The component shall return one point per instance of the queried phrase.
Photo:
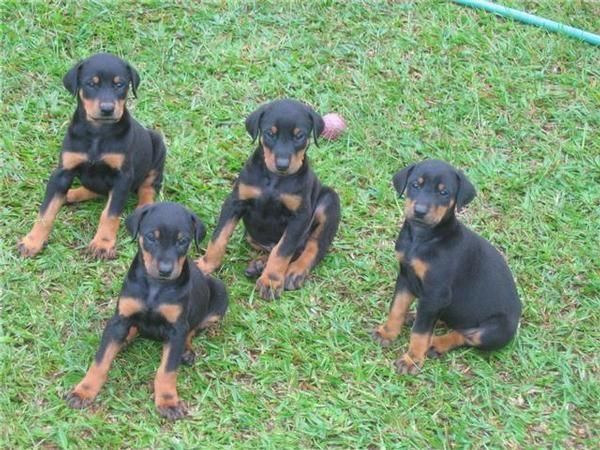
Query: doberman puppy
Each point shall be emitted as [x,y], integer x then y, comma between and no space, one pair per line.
[458,276]
[164,297]
[285,209]
[106,148]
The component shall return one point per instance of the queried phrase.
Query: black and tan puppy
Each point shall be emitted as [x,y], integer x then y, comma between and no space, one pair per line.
[106,148]
[285,209]
[458,276]
[164,297]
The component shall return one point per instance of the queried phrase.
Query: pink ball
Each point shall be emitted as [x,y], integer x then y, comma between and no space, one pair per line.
[334,126]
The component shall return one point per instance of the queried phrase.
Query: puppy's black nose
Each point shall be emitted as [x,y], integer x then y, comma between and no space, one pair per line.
[165,268]
[107,108]
[420,210]
[282,164]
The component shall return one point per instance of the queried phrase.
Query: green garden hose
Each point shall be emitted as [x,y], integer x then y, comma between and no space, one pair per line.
[532,20]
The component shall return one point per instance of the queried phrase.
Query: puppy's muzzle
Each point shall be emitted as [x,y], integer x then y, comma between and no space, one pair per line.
[282,164]
[107,109]
[165,268]
[420,210]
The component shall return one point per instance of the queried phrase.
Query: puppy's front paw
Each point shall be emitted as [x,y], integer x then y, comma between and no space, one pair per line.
[188,358]
[103,248]
[205,266]
[294,278]
[78,400]
[410,319]
[382,336]
[433,352]
[172,412]
[30,246]
[255,268]
[406,364]
[269,286]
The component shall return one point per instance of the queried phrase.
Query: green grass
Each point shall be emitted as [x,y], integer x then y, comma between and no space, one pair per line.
[515,107]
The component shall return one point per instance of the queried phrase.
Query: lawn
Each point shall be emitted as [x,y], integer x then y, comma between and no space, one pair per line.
[517,108]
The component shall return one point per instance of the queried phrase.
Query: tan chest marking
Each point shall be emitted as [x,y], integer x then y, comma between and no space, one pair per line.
[128,306]
[248,192]
[291,201]
[170,312]
[70,160]
[113,160]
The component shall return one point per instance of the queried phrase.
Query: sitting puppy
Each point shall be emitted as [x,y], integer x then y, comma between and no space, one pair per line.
[164,297]
[106,149]
[285,209]
[458,276]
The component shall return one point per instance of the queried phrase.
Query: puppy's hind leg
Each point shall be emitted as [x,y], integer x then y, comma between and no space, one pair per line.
[216,311]
[218,303]
[493,334]
[326,222]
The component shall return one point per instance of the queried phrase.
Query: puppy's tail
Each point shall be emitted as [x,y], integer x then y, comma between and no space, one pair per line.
[159,153]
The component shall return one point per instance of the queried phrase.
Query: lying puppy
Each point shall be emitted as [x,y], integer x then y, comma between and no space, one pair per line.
[285,209]
[106,149]
[458,276]
[165,297]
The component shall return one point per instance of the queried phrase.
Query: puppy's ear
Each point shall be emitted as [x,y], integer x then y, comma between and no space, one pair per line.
[135,79]
[71,79]
[134,220]
[318,124]
[253,122]
[401,178]
[199,229]
[466,191]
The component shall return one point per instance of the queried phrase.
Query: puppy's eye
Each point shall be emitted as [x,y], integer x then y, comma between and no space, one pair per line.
[444,192]
[299,136]
[120,85]
[182,242]
[150,237]
[415,185]
[268,133]
[92,84]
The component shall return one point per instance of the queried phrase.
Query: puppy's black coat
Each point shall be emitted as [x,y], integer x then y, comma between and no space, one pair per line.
[285,209]
[164,297]
[458,276]
[106,148]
